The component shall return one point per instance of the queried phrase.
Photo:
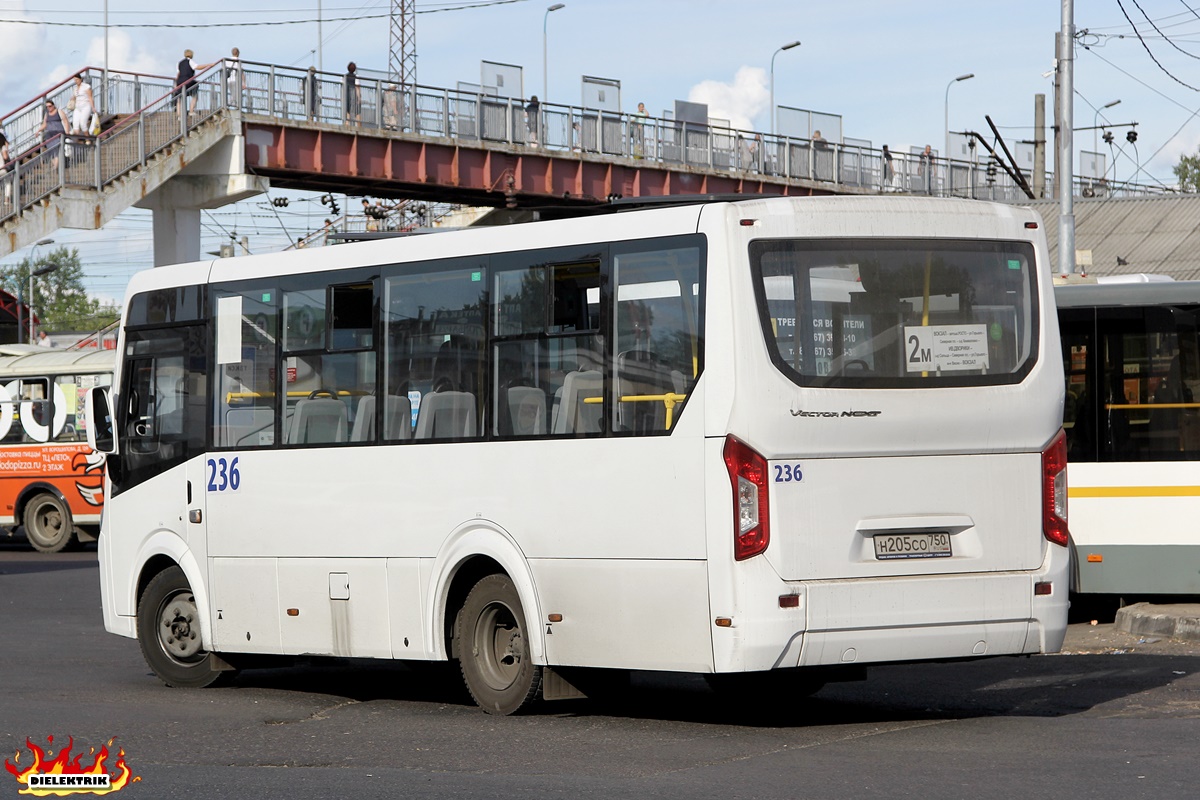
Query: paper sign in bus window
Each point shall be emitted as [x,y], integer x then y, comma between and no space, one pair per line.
[946,348]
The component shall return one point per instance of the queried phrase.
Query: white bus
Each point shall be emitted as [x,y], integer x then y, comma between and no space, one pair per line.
[789,437]
[1131,353]
[51,481]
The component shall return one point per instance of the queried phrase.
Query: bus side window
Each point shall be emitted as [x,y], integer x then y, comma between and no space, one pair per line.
[37,410]
[433,342]
[244,402]
[659,345]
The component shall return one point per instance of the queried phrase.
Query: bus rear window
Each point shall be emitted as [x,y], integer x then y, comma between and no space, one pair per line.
[897,313]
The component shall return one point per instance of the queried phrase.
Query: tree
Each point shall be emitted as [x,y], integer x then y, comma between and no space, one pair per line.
[1188,173]
[59,300]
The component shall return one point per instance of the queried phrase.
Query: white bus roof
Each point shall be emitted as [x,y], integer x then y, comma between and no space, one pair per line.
[1156,293]
[32,360]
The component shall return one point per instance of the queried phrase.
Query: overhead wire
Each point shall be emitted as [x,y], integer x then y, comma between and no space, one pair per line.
[195,25]
[1150,52]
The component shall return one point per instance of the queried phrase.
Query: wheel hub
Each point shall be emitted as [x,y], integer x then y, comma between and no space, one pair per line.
[179,631]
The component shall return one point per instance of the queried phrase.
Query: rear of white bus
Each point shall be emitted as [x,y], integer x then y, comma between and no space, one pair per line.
[886,468]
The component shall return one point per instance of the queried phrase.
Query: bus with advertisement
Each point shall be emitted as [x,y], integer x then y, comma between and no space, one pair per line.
[51,481]
[1131,354]
[772,440]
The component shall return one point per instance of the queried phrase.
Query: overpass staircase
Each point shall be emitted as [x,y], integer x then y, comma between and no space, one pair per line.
[147,142]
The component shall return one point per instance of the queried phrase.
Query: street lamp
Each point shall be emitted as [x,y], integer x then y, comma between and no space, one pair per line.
[34,273]
[545,73]
[968,76]
[1096,123]
[787,46]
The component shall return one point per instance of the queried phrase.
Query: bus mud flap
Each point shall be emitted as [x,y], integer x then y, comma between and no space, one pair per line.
[556,687]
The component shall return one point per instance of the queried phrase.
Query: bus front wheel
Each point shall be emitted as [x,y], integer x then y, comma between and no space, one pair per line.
[493,648]
[48,525]
[168,627]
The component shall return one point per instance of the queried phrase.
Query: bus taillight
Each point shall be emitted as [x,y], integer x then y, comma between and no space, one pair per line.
[1054,490]
[751,509]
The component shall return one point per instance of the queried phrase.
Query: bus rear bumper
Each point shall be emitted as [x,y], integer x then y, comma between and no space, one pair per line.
[872,621]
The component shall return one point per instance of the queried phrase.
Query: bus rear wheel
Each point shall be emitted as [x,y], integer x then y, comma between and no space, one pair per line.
[48,525]
[493,648]
[168,628]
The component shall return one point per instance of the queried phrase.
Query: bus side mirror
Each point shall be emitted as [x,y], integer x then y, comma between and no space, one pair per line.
[100,433]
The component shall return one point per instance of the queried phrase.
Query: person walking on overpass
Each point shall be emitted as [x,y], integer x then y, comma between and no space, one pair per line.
[81,117]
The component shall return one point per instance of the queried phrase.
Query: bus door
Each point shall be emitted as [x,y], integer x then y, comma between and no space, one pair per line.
[162,419]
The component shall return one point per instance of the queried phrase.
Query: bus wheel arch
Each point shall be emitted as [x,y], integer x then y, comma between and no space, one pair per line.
[164,550]
[169,632]
[469,555]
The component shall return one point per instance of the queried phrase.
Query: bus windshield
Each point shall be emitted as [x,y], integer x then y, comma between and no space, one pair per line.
[897,313]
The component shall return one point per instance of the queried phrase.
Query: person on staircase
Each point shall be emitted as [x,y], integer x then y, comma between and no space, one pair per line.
[85,107]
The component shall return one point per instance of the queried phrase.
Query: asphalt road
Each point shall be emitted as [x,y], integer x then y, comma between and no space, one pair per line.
[1113,717]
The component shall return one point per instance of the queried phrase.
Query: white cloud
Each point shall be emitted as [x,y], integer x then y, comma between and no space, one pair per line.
[739,101]
[23,45]
[121,56]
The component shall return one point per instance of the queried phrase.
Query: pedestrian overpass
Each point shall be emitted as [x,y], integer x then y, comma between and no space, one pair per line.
[257,126]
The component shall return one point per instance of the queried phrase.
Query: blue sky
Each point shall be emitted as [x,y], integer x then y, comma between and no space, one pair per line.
[882,65]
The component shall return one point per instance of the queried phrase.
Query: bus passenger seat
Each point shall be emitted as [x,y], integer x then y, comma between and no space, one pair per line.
[249,427]
[397,418]
[397,421]
[574,415]
[318,420]
[527,410]
[446,415]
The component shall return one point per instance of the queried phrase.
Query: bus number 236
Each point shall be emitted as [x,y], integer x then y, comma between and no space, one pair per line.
[788,473]
[223,475]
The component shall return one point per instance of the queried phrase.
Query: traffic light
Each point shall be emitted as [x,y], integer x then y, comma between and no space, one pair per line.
[328,200]
[279,202]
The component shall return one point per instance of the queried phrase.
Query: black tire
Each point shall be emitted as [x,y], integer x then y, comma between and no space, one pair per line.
[168,629]
[48,525]
[493,648]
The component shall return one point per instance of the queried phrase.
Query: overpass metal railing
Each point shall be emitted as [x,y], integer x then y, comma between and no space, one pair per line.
[146,114]
[287,93]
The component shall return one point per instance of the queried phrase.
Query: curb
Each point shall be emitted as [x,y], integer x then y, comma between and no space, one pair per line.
[1171,621]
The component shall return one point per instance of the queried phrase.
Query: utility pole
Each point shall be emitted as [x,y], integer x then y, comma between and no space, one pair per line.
[1039,146]
[1064,159]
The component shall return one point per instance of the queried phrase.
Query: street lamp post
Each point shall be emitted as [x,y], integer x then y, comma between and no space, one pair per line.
[968,76]
[545,71]
[787,46]
[21,301]
[1096,123]
[34,273]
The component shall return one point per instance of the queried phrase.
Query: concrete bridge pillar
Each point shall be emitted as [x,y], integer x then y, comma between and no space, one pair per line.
[176,235]
[216,178]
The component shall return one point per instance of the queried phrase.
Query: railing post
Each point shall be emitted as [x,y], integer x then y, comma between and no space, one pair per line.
[96,156]
[16,194]
[271,92]
[142,139]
